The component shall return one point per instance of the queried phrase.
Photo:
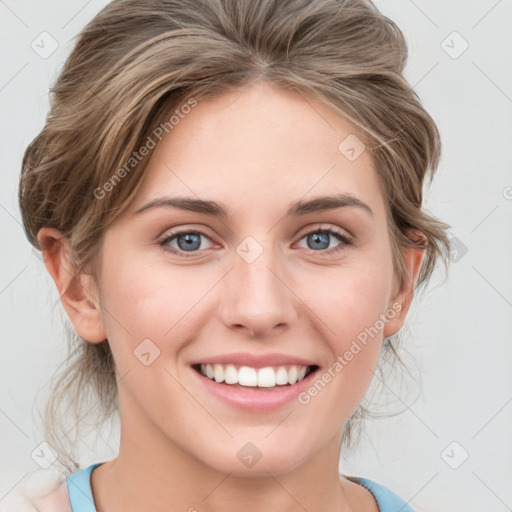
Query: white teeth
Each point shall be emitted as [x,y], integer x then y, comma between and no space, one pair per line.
[267,377]
[247,376]
[231,375]
[281,376]
[218,373]
[292,375]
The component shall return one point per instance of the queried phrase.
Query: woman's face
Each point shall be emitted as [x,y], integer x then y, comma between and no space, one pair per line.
[261,286]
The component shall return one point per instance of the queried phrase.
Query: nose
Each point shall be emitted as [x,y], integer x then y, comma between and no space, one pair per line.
[256,297]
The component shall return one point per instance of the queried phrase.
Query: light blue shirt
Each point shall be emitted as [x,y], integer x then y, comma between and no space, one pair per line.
[80,494]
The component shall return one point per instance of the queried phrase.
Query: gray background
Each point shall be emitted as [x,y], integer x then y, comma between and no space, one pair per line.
[460,332]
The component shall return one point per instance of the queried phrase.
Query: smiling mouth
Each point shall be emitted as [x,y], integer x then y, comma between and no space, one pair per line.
[246,377]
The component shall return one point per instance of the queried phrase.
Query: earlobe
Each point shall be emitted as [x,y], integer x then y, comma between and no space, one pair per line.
[400,303]
[77,292]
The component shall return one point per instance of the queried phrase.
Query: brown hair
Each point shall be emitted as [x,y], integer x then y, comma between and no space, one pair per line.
[138,61]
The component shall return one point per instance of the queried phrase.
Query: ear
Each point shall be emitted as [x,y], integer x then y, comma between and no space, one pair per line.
[402,298]
[78,293]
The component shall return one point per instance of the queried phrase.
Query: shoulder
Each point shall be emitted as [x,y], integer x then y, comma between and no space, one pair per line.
[386,499]
[57,500]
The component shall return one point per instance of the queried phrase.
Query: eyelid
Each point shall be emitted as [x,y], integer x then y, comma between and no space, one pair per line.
[172,235]
[322,226]
[344,237]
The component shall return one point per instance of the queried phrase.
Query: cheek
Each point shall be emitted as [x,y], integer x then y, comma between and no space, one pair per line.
[155,302]
[352,305]
[350,299]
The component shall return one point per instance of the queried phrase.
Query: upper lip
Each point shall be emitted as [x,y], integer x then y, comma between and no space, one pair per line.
[255,360]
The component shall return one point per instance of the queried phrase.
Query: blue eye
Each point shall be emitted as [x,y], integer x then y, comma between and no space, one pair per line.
[189,242]
[320,239]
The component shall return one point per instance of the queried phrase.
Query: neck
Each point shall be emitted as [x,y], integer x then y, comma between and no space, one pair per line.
[152,472]
[141,481]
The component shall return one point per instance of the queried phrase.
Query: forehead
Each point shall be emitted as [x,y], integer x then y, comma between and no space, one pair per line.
[260,147]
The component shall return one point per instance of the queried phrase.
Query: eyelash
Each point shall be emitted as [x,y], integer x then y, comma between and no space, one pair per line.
[341,236]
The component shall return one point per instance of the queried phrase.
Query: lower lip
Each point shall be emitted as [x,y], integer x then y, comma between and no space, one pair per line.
[262,399]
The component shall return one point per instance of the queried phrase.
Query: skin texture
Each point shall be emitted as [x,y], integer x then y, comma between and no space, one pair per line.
[257,150]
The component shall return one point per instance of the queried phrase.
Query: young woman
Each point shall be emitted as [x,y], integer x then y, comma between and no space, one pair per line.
[228,196]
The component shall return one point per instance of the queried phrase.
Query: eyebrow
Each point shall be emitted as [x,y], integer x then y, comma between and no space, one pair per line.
[219,210]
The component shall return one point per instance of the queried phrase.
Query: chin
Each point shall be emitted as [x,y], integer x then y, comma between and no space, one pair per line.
[255,460]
